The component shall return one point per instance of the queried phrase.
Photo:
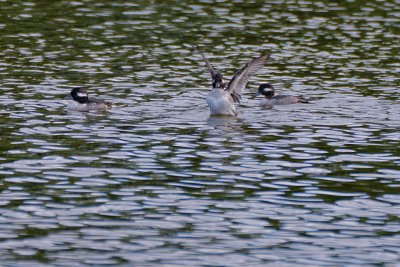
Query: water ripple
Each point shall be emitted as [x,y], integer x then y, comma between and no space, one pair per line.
[156,180]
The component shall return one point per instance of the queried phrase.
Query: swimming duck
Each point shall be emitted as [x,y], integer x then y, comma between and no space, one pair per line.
[270,99]
[79,100]
[221,100]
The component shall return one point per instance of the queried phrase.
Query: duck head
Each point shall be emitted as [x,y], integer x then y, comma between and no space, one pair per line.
[266,90]
[80,95]
[218,81]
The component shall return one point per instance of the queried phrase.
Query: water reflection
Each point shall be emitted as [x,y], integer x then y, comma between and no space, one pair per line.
[156,179]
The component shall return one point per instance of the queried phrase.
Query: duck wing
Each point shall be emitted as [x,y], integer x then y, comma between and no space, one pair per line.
[99,101]
[242,76]
[210,68]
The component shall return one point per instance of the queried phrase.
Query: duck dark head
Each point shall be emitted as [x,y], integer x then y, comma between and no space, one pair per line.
[218,81]
[79,94]
[266,90]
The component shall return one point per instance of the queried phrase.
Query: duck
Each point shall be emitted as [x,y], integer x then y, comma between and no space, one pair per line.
[271,99]
[222,98]
[79,100]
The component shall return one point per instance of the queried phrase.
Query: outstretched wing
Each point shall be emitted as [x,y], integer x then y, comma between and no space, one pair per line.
[210,68]
[242,76]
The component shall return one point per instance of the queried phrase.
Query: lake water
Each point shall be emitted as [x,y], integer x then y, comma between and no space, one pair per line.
[156,180]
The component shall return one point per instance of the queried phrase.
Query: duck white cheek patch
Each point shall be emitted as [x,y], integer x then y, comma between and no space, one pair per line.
[81,95]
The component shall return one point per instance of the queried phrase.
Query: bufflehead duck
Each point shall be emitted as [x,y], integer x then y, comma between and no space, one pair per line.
[80,101]
[270,99]
[222,100]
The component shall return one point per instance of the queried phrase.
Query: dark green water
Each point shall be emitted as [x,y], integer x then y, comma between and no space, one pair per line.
[156,181]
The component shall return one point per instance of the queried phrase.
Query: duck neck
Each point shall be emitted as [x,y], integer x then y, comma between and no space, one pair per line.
[81,99]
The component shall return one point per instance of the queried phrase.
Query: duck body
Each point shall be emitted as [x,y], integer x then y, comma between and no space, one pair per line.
[80,101]
[271,99]
[92,104]
[221,100]
[283,100]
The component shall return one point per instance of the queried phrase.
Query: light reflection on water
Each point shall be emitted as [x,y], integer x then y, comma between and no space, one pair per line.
[158,181]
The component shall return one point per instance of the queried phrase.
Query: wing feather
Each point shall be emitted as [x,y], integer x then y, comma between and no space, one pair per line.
[242,76]
[210,68]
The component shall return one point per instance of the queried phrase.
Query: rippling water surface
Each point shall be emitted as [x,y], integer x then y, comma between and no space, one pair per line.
[158,181]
